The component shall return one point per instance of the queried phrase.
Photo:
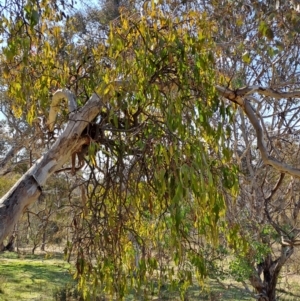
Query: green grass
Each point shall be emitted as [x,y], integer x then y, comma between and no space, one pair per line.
[218,292]
[32,277]
[37,278]
[213,292]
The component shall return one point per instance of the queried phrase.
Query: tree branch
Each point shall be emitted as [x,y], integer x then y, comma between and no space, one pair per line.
[29,187]
[260,90]
[54,108]
[5,162]
[239,97]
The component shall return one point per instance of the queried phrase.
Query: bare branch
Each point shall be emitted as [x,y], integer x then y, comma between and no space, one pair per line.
[230,94]
[276,186]
[238,97]
[5,162]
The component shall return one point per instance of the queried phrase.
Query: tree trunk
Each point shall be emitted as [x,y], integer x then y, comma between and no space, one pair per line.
[269,270]
[35,245]
[43,240]
[30,186]
[11,244]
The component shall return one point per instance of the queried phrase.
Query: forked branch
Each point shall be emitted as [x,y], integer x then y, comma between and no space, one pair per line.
[239,97]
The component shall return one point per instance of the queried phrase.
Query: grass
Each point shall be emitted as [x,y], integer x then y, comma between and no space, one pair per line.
[32,277]
[214,292]
[37,278]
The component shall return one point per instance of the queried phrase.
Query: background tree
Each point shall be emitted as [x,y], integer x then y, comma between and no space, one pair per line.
[262,55]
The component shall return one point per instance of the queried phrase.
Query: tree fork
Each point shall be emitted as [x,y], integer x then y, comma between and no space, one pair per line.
[239,97]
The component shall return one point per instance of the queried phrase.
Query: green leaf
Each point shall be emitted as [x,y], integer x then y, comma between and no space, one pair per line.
[246,57]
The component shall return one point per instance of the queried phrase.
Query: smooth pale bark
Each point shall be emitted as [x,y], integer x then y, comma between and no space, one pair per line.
[30,185]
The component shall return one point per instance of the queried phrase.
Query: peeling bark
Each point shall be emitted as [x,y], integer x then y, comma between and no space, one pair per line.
[30,185]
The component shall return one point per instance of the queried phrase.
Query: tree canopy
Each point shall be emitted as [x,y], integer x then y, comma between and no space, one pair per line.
[186,115]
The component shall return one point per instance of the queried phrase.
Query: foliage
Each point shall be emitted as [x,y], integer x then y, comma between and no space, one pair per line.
[67,293]
[24,29]
[157,191]
[240,269]
[177,168]
[159,186]
[6,183]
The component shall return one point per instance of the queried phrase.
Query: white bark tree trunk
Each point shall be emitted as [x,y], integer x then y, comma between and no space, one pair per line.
[30,185]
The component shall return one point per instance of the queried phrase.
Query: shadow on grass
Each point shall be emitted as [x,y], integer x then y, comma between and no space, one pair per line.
[32,275]
[217,292]
[213,292]
[14,255]
[288,295]
[47,273]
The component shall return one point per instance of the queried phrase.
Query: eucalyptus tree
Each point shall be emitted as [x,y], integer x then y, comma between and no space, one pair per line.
[258,58]
[141,99]
[153,102]
[266,212]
